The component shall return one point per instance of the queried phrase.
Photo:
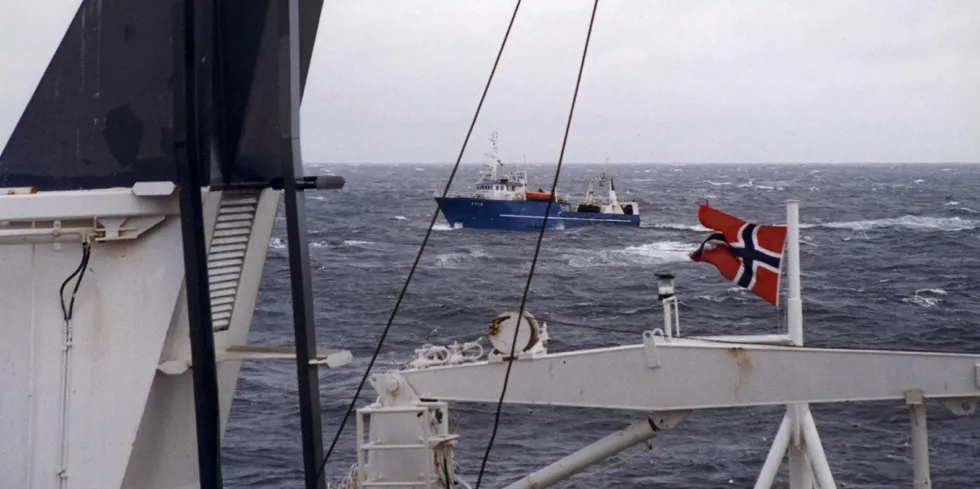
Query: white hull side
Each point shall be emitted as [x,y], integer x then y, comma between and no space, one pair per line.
[129,424]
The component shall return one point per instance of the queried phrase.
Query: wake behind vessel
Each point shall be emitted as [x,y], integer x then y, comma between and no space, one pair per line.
[503,201]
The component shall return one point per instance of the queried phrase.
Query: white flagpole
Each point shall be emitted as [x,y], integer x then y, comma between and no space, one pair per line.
[800,472]
[794,303]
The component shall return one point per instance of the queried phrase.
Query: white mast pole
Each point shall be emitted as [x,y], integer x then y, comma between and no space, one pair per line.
[794,304]
[800,473]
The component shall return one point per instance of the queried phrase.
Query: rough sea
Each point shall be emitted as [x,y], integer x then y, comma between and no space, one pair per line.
[890,258]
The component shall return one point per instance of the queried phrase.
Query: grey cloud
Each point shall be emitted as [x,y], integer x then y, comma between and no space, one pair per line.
[665,81]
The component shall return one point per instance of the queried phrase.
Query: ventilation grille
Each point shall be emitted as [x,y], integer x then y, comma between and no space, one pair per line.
[226,256]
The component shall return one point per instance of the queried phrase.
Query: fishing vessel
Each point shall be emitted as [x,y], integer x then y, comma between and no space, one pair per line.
[505,201]
[135,218]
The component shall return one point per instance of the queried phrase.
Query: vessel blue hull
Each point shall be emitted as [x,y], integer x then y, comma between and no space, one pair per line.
[521,215]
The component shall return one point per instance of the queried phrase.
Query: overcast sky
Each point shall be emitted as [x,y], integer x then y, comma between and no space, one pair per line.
[665,81]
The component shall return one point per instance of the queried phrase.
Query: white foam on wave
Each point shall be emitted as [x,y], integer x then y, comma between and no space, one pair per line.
[925,298]
[460,259]
[657,253]
[758,187]
[755,186]
[906,222]
[278,243]
[350,243]
[903,222]
[678,227]
[400,218]
[444,226]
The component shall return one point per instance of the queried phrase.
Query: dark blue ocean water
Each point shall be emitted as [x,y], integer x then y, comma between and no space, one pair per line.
[890,260]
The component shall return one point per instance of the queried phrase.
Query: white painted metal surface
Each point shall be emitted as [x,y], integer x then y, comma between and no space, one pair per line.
[227,252]
[920,440]
[114,421]
[703,374]
[637,432]
[672,317]
[83,204]
[164,454]
[774,459]
[325,357]
[121,317]
[814,450]
[800,474]
[408,446]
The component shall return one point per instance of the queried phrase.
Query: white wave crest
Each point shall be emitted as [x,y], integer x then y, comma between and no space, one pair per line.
[679,227]
[460,259]
[925,298]
[350,243]
[444,226]
[278,243]
[638,255]
[906,222]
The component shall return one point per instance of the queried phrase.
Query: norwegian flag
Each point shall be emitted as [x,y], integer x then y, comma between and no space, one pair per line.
[745,253]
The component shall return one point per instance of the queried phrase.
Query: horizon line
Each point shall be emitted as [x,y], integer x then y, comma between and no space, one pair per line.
[473,163]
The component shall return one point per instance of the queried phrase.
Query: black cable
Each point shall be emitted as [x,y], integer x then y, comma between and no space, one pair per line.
[425,240]
[537,250]
[67,312]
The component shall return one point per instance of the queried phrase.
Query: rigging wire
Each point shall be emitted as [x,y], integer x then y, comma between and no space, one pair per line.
[425,240]
[537,249]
